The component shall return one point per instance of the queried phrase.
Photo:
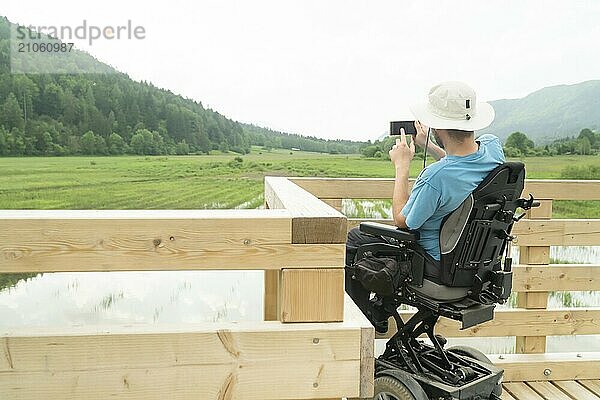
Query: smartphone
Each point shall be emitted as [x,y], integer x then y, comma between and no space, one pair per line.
[409,128]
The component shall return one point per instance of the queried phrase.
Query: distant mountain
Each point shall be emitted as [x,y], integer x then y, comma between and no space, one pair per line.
[549,113]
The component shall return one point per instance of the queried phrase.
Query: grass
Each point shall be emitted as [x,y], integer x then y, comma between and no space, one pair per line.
[206,182]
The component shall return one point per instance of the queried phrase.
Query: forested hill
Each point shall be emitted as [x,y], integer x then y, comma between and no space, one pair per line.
[62,114]
[550,113]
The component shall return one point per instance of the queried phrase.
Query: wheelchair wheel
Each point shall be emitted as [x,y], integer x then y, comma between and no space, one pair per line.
[477,355]
[389,388]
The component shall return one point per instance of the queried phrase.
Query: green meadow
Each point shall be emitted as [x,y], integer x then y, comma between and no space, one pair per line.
[208,181]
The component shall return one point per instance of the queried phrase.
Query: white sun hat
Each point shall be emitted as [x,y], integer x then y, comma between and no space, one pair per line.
[453,105]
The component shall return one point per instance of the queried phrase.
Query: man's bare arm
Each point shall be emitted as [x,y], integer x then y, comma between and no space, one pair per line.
[400,196]
[401,154]
[436,151]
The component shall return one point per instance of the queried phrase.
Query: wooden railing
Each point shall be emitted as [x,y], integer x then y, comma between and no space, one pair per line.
[534,277]
[312,345]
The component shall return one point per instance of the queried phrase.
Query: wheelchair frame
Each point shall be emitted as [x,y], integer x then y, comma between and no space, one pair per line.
[440,372]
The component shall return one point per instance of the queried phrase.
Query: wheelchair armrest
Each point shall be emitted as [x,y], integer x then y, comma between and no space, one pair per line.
[375,228]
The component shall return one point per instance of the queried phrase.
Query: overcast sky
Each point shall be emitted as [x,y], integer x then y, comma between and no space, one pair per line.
[336,68]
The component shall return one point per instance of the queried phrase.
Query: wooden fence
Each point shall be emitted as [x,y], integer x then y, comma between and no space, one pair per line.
[534,277]
[313,344]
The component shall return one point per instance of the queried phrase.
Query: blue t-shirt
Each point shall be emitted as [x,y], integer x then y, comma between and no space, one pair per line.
[442,186]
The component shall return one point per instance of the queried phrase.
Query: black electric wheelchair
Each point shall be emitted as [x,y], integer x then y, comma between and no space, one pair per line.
[464,285]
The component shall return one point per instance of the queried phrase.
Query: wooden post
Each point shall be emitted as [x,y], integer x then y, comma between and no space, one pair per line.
[271,299]
[534,255]
[271,289]
[306,295]
[310,295]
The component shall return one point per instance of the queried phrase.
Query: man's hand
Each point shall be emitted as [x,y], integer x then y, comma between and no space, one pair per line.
[401,153]
[421,136]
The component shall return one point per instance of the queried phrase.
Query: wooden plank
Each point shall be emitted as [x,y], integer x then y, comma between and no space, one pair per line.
[534,255]
[349,188]
[238,257]
[543,211]
[593,385]
[547,390]
[367,357]
[98,240]
[555,232]
[141,230]
[309,295]
[539,255]
[506,395]
[558,366]
[381,188]
[236,362]
[313,221]
[513,322]
[575,391]
[556,277]
[530,344]
[521,391]
[367,363]
[558,189]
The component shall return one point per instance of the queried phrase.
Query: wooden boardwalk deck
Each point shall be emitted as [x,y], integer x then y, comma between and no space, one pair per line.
[552,390]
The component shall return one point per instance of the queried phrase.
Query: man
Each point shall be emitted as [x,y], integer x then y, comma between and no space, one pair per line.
[452,114]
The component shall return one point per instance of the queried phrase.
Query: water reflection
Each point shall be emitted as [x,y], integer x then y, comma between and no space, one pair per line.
[98,298]
[10,280]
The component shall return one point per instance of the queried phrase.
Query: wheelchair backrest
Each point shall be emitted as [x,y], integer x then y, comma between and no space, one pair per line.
[473,237]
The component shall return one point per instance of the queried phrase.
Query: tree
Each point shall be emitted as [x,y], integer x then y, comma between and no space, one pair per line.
[519,141]
[585,147]
[157,144]
[137,143]
[51,101]
[141,142]
[204,144]
[592,137]
[12,115]
[116,144]
[4,150]
[145,142]
[369,151]
[100,145]
[224,147]
[512,152]
[88,143]
[182,148]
